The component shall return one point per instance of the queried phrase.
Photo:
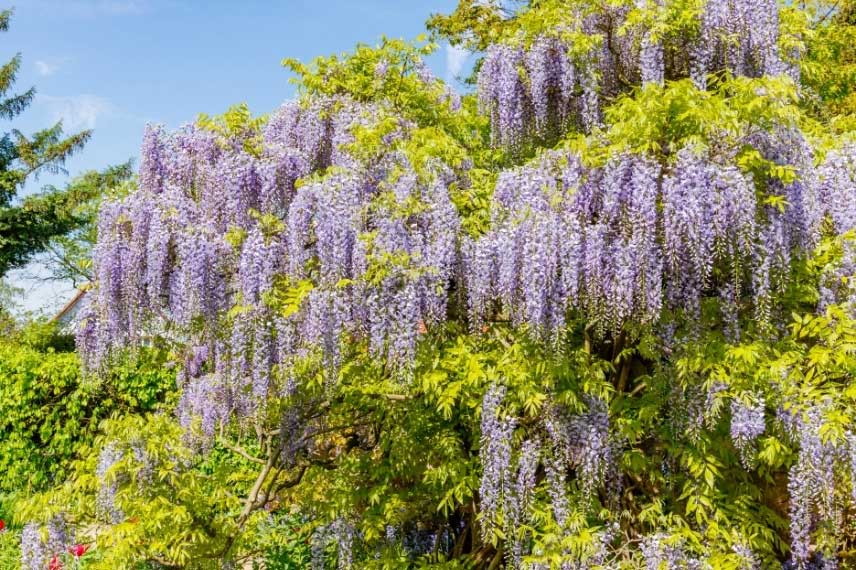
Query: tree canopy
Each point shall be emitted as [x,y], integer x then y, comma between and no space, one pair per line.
[596,313]
[28,225]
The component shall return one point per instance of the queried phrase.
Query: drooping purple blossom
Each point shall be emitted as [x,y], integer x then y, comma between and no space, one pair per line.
[153,156]
[582,442]
[503,96]
[203,399]
[748,560]
[343,533]
[495,454]
[661,551]
[318,547]
[34,553]
[59,535]
[836,189]
[565,238]
[519,498]
[109,483]
[812,482]
[747,425]
[741,37]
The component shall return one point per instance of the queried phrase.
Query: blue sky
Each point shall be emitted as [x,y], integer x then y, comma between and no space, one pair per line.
[114,65]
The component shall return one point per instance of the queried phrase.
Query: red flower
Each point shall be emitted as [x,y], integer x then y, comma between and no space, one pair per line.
[78,550]
[55,563]
[2,525]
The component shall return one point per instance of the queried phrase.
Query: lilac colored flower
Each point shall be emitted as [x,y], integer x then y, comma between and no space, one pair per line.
[651,64]
[747,559]
[554,468]
[152,160]
[380,69]
[739,36]
[343,534]
[109,483]
[261,259]
[661,551]
[812,481]
[519,498]
[59,539]
[495,453]
[203,398]
[747,424]
[318,545]
[583,443]
[262,356]
[34,553]
[503,96]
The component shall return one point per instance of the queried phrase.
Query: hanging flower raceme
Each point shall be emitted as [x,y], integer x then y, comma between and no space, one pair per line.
[540,91]
[596,240]
[812,482]
[39,554]
[218,220]
[747,425]
[258,253]
[575,443]
[496,452]
[739,36]
[551,84]
[503,96]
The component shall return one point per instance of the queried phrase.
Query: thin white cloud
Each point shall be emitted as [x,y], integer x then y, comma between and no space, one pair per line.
[456,57]
[76,112]
[45,68]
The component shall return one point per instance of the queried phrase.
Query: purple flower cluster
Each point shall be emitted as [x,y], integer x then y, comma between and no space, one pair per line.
[748,560]
[342,533]
[145,462]
[34,553]
[108,484]
[747,425]
[812,482]
[37,554]
[582,442]
[709,217]
[837,188]
[381,247]
[503,95]
[544,87]
[518,500]
[538,92]
[207,399]
[595,240]
[579,442]
[59,538]
[739,36]
[496,452]
[661,551]
[318,547]
[835,200]
[193,242]
[555,469]
[651,64]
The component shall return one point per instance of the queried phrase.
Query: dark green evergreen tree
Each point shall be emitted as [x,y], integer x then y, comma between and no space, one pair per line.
[28,225]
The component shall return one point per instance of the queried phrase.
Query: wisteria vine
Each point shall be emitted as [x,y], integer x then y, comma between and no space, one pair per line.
[374,253]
